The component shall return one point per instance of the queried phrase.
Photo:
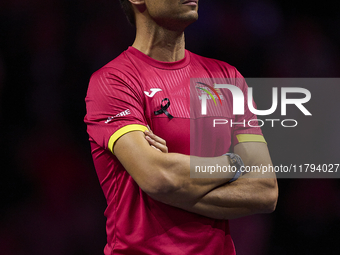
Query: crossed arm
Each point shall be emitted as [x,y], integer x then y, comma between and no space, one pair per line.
[166,178]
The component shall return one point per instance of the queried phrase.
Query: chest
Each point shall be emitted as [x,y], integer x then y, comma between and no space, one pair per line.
[173,110]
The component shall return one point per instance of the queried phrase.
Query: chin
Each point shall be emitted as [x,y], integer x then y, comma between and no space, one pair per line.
[190,18]
[179,22]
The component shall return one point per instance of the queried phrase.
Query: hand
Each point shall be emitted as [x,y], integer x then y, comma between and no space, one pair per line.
[156,142]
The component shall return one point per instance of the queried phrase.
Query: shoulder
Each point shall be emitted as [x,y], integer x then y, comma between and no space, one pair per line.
[215,65]
[221,70]
[118,77]
[119,71]
[117,67]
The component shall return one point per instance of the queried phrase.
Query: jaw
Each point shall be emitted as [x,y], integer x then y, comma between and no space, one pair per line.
[179,22]
[172,16]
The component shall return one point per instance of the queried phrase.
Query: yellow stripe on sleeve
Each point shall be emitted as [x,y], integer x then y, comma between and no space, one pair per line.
[123,131]
[243,138]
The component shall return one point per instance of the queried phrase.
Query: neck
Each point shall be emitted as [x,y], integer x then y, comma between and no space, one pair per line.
[160,43]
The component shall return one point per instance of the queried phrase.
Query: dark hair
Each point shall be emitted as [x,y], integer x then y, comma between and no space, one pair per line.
[128,10]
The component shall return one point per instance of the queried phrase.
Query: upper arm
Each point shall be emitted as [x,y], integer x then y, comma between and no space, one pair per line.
[165,176]
[113,103]
[256,156]
[253,153]
[146,165]
[134,153]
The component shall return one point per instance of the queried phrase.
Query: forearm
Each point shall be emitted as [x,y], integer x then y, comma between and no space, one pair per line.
[248,195]
[254,192]
[166,176]
[177,187]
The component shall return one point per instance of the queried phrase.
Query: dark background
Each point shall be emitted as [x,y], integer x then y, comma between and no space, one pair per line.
[51,201]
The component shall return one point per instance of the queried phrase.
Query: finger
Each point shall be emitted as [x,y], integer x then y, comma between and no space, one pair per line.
[155,137]
[155,148]
[158,145]
[149,129]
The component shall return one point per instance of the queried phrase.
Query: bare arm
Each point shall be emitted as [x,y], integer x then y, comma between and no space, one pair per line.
[166,177]
[250,194]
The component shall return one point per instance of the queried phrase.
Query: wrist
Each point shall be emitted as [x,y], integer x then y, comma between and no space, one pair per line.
[237,165]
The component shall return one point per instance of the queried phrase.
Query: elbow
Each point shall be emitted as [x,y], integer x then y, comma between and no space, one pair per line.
[270,198]
[266,197]
[160,187]
[159,180]
[270,203]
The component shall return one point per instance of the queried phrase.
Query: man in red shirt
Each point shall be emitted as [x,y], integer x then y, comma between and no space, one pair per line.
[154,207]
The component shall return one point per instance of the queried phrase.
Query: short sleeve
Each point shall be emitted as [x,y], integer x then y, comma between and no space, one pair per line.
[114,105]
[246,127]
